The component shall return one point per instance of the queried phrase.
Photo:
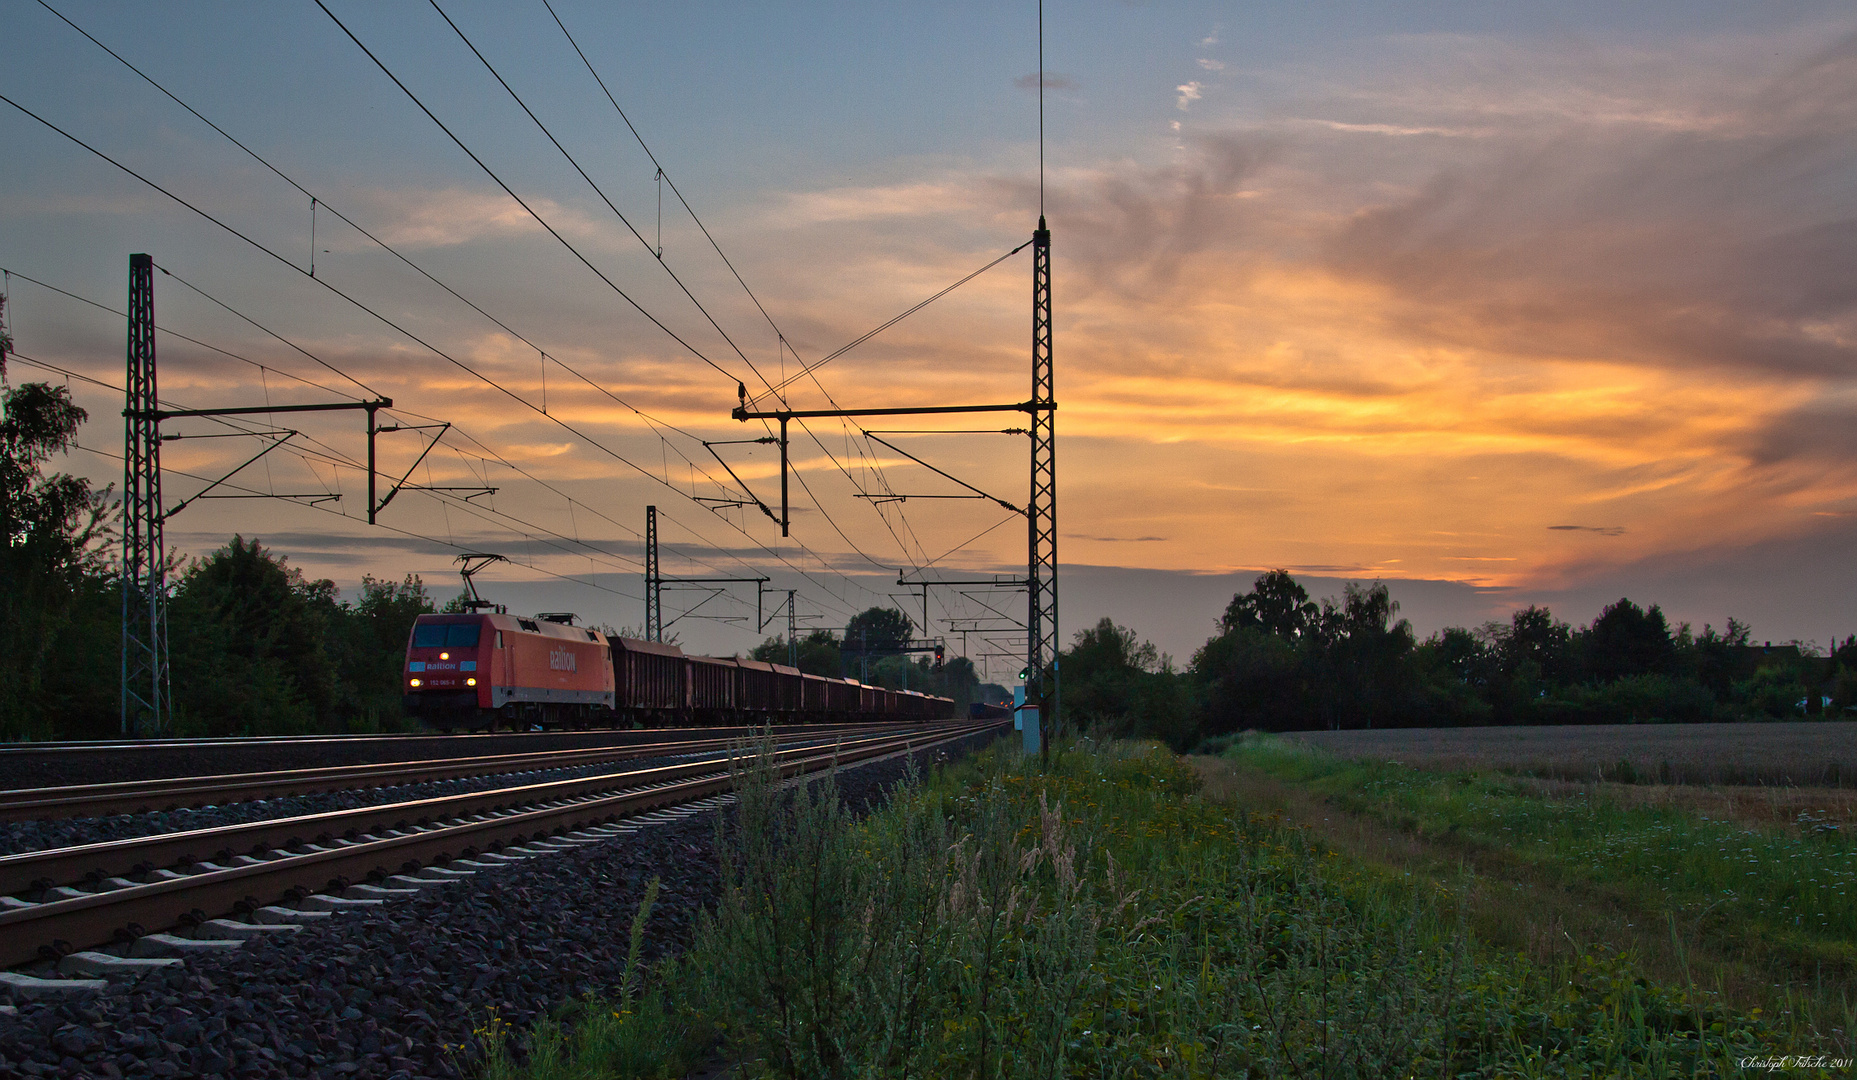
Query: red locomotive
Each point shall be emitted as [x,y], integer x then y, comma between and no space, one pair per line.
[488,668]
[463,670]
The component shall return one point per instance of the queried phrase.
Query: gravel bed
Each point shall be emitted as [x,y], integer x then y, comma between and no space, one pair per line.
[397,991]
[22,836]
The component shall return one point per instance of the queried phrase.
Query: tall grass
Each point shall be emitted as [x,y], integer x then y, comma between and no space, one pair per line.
[1102,919]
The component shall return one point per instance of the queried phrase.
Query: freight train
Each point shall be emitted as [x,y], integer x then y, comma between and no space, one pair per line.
[485,670]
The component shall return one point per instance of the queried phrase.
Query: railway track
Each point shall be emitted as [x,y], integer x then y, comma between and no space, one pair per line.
[51,764]
[142,796]
[60,902]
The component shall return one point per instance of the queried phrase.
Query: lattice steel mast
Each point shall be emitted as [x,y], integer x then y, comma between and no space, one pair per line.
[1041,677]
[146,708]
[654,582]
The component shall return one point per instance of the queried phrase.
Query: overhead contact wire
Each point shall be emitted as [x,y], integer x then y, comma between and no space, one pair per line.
[491,173]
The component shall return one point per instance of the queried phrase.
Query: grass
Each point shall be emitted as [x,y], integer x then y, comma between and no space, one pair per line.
[1754,907]
[1781,753]
[1118,916]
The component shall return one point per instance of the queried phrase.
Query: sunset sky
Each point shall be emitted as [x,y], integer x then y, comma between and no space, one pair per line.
[1500,304]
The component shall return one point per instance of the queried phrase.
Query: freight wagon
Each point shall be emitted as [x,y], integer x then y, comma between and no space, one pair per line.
[490,670]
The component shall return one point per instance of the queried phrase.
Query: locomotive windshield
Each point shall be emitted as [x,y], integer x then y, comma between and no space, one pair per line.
[442,635]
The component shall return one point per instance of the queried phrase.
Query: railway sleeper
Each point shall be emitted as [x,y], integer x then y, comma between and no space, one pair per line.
[89,971]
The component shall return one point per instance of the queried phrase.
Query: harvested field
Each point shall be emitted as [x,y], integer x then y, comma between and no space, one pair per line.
[1805,808]
[1787,754]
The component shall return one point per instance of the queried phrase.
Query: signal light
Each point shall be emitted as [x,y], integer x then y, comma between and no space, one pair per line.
[1022,673]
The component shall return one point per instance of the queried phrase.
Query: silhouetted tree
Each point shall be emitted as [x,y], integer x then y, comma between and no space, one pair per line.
[878,628]
[51,537]
[1276,604]
[818,653]
[367,643]
[247,637]
[1363,658]
[1537,638]
[1628,640]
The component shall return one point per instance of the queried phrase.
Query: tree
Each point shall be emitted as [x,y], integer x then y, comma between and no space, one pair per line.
[1463,654]
[1536,637]
[818,653]
[248,635]
[1277,604]
[1628,640]
[1364,658]
[1101,670]
[1115,683]
[878,628]
[1252,679]
[53,534]
[367,644]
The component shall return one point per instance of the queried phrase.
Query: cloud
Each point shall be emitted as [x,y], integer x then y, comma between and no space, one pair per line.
[1586,242]
[1433,311]
[1399,129]
[1210,65]
[1053,81]
[418,218]
[852,204]
[1189,93]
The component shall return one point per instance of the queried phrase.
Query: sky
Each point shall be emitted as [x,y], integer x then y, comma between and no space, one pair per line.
[1498,304]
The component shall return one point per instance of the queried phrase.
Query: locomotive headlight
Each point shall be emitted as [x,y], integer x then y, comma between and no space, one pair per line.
[444,656]
[470,682]
[413,682]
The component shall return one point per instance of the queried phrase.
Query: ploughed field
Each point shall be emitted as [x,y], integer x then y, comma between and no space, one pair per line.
[1784,754]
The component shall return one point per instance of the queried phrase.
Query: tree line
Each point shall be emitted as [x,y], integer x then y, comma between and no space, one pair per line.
[255,646]
[863,653]
[1280,661]
[258,648]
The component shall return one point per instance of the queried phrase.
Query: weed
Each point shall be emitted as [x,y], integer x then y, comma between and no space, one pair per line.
[1105,919]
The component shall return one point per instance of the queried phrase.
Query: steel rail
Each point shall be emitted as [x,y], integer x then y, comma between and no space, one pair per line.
[159,905]
[137,796]
[114,746]
[32,871]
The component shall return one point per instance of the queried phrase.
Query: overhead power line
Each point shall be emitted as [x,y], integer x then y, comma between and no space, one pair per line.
[520,528]
[867,335]
[328,454]
[651,421]
[435,350]
[491,173]
[658,253]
